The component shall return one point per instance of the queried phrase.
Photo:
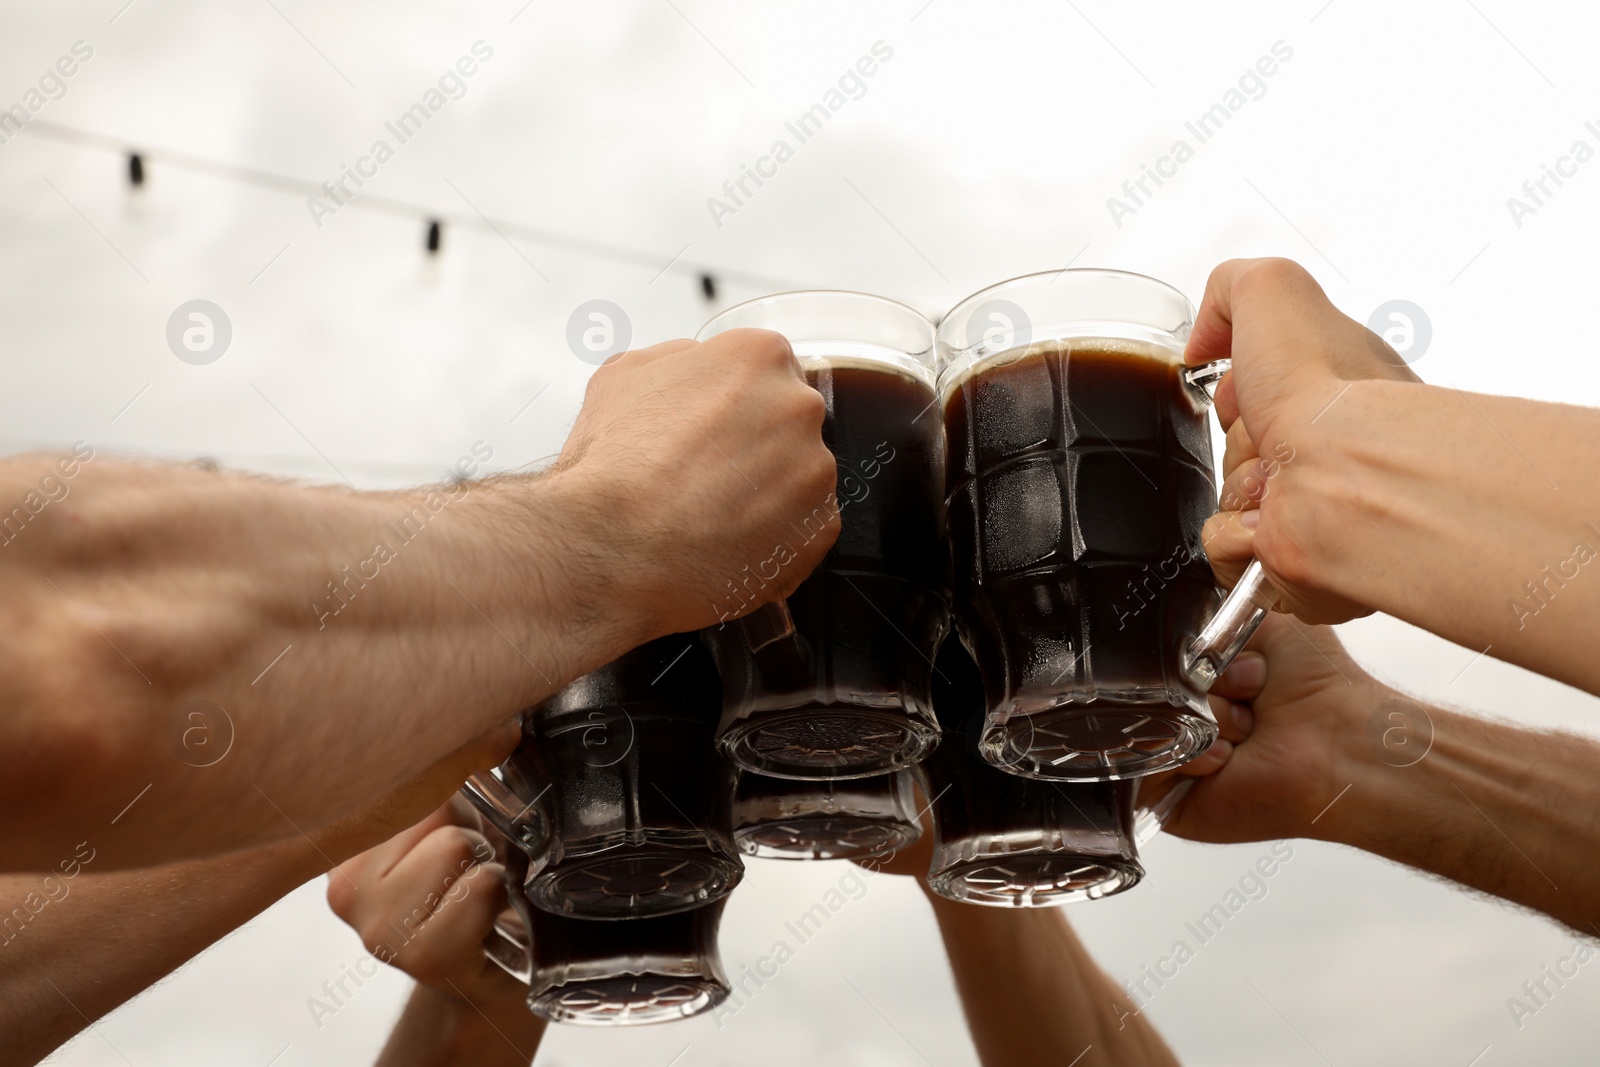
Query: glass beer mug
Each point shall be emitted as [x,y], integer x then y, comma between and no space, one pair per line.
[780,818]
[1078,475]
[833,683]
[624,973]
[1008,841]
[617,794]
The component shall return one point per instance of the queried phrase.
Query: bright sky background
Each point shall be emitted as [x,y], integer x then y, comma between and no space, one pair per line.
[1381,155]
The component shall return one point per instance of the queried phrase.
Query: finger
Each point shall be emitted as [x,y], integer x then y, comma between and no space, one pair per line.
[1226,402]
[756,345]
[1212,336]
[1244,679]
[441,857]
[450,941]
[463,814]
[1281,296]
[377,861]
[1235,721]
[428,871]
[1246,486]
[1238,448]
[1229,544]
[1210,761]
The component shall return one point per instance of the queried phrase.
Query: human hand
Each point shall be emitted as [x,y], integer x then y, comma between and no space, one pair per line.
[1294,354]
[1290,707]
[701,465]
[424,900]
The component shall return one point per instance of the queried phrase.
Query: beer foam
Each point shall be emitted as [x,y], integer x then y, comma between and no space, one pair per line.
[817,355]
[956,375]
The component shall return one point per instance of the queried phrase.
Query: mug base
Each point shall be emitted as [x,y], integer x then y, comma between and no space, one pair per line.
[825,837]
[1097,742]
[628,1000]
[828,743]
[636,881]
[1035,880]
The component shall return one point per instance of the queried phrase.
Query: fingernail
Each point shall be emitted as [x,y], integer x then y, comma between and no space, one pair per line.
[1251,519]
[1244,720]
[1248,673]
[1220,750]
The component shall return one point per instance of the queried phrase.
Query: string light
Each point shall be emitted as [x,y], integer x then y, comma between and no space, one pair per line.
[708,274]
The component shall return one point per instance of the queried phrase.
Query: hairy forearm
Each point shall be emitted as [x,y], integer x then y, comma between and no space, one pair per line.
[80,941]
[214,636]
[440,1030]
[1476,517]
[1509,811]
[1033,994]
[76,946]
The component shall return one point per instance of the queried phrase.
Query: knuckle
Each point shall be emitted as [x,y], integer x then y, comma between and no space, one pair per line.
[1282,557]
[768,347]
[1276,274]
[342,898]
[811,405]
[822,473]
[375,932]
[672,347]
[455,847]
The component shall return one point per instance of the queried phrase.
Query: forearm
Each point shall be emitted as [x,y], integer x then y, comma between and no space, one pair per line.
[1476,517]
[1508,811]
[75,947]
[80,941]
[440,1030]
[1033,994]
[154,611]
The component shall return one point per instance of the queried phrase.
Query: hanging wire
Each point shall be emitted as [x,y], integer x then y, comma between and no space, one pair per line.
[703,272]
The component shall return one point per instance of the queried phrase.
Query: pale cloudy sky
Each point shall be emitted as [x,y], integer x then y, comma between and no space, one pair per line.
[1381,152]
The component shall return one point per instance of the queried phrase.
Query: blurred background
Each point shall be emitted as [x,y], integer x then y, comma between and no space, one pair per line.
[578,163]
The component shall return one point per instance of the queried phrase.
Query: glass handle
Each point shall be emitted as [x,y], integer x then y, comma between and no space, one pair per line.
[1148,819]
[1206,376]
[507,950]
[1209,654]
[767,625]
[503,808]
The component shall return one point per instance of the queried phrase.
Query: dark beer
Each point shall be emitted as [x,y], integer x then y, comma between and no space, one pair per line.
[1079,478]
[779,818]
[628,972]
[1009,841]
[638,799]
[847,696]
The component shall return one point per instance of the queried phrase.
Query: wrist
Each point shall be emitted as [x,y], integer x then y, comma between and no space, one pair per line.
[499,1006]
[440,1026]
[565,564]
[1373,770]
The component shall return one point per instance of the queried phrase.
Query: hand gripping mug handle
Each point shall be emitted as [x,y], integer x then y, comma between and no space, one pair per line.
[1210,652]
[503,808]
[507,949]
